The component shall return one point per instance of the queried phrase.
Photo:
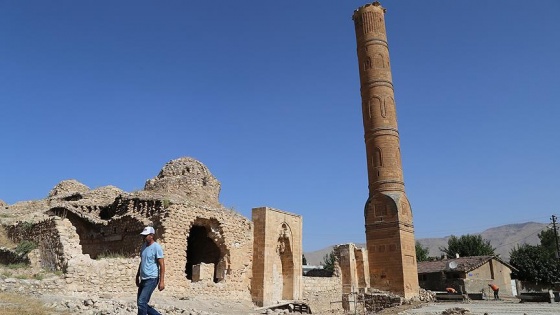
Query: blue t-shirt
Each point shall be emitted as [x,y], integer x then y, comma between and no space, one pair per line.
[149,255]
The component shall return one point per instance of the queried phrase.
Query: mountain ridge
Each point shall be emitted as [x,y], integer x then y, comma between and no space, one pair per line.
[503,238]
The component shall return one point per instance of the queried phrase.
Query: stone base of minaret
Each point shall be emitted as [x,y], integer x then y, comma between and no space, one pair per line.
[390,244]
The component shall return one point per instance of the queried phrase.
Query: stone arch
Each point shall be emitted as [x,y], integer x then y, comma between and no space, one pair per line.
[284,275]
[374,103]
[378,61]
[205,244]
[390,103]
[384,206]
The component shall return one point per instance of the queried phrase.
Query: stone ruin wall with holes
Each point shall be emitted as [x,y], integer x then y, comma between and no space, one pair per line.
[79,230]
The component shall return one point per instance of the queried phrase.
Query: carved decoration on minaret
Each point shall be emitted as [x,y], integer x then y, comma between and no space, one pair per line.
[383,109]
[375,102]
[367,64]
[378,61]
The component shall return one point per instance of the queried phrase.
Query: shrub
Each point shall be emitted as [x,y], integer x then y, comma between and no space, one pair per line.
[24,247]
[26,226]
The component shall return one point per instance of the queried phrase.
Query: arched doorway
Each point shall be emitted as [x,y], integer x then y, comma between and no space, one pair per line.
[284,266]
[205,244]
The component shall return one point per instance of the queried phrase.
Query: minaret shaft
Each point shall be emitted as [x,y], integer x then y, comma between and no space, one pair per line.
[388,216]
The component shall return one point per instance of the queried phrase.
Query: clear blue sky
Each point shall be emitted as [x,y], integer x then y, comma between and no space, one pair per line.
[266,94]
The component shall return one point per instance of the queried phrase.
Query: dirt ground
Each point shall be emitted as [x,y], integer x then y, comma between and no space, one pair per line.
[504,307]
[17,298]
[208,306]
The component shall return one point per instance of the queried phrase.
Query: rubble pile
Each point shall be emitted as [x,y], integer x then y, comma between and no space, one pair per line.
[456,311]
[426,295]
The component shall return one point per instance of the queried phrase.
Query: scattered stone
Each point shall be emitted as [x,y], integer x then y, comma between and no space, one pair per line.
[456,311]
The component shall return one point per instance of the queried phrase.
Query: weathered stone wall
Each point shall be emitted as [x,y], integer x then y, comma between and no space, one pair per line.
[46,235]
[348,269]
[230,232]
[277,257]
[116,275]
[108,275]
[362,267]
[323,294]
[119,236]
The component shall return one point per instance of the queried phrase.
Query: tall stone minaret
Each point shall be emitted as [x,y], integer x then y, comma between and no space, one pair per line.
[388,216]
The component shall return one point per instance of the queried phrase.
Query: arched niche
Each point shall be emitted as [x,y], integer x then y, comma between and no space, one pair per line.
[205,244]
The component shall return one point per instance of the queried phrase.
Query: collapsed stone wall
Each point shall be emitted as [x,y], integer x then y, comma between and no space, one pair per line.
[119,236]
[231,233]
[375,302]
[323,294]
[47,238]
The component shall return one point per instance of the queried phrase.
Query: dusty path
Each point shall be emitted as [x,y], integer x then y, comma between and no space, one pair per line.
[126,306]
[504,307]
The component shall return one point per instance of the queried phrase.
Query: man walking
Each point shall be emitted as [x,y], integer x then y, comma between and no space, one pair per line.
[151,272]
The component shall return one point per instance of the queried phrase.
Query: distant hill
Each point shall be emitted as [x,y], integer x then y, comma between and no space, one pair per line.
[504,238]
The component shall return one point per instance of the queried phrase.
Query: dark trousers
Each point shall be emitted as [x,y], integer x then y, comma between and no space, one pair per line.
[496,297]
[145,291]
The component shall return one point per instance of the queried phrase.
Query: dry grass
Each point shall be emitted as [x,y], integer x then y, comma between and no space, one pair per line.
[4,240]
[15,304]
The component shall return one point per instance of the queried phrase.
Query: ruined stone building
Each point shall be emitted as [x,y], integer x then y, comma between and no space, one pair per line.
[209,250]
[388,215]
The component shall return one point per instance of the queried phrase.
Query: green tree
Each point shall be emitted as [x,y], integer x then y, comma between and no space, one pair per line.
[535,263]
[548,240]
[422,253]
[468,245]
[328,261]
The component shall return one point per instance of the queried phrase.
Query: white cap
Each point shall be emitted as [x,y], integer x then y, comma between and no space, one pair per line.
[148,230]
